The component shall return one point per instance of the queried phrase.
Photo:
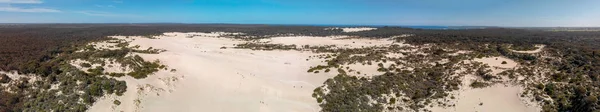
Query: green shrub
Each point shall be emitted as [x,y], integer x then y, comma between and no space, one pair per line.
[96,71]
[478,84]
[319,100]
[117,102]
[4,78]
[86,65]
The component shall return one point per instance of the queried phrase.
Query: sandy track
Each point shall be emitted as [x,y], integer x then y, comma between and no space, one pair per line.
[540,48]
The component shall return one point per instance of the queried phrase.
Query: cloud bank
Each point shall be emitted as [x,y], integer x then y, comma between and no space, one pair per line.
[21,1]
[5,6]
[104,14]
[17,9]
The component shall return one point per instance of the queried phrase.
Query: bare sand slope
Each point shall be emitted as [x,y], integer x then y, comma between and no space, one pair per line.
[338,41]
[540,47]
[495,98]
[496,63]
[212,79]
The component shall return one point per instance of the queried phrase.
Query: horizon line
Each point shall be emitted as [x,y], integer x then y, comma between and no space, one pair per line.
[363,25]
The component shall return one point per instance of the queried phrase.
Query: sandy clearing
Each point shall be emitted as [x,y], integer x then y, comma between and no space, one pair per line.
[105,45]
[338,41]
[208,78]
[138,90]
[459,53]
[496,65]
[395,55]
[540,48]
[214,79]
[14,75]
[210,34]
[365,70]
[497,62]
[109,67]
[497,98]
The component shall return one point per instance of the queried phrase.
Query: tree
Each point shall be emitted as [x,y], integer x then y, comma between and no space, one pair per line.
[4,78]
[86,65]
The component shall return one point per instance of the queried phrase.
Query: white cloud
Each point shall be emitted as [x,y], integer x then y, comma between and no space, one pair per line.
[22,1]
[17,9]
[104,14]
[5,6]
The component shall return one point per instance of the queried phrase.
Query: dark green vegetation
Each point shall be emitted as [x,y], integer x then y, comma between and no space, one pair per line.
[413,81]
[117,102]
[478,84]
[4,78]
[141,68]
[72,84]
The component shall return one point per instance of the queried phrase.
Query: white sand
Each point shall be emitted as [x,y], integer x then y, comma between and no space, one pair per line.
[354,29]
[213,79]
[14,76]
[459,53]
[539,49]
[497,62]
[496,65]
[497,98]
[105,45]
[109,67]
[211,34]
[338,41]
[365,70]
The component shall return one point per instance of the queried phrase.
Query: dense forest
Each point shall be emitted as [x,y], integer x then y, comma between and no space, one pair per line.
[35,48]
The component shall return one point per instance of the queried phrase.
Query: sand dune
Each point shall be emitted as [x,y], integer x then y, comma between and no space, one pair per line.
[231,80]
[210,78]
[338,41]
[496,65]
[495,98]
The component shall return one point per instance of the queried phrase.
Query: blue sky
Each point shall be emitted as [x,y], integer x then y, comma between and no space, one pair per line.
[349,12]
